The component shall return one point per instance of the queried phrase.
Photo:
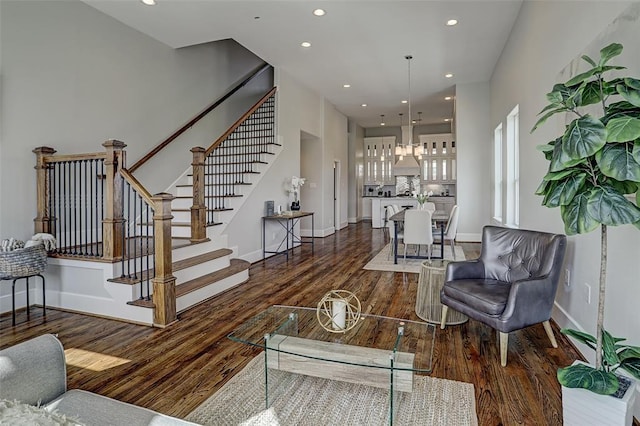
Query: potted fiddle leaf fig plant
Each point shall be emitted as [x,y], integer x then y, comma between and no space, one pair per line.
[594,177]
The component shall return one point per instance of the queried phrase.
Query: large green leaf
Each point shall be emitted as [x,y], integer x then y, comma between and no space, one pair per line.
[560,175]
[589,60]
[560,160]
[576,217]
[545,117]
[607,206]
[584,137]
[578,79]
[609,354]
[617,161]
[632,83]
[580,336]
[632,365]
[608,52]
[622,106]
[623,129]
[545,148]
[542,188]
[630,95]
[564,191]
[585,377]
[623,187]
[590,94]
[636,151]
[554,97]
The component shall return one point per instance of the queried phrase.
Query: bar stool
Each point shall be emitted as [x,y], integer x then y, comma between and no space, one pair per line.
[23,264]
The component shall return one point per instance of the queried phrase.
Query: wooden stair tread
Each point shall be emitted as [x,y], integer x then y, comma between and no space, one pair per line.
[236,265]
[143,303]
[201,258]
[176,266]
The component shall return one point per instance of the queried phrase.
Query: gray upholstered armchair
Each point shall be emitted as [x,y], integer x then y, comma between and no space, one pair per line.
[512,285]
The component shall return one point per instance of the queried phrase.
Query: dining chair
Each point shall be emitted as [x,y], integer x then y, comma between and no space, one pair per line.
[429,206]
[417,230]
[392,231]
[450,230]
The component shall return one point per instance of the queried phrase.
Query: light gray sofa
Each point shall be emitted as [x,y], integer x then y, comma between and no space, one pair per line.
[34,372]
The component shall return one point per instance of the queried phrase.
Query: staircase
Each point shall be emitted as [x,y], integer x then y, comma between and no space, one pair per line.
[157,255]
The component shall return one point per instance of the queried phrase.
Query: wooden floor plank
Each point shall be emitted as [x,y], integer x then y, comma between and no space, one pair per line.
[173,370]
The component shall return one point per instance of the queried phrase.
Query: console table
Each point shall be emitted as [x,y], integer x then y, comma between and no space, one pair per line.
[288,221]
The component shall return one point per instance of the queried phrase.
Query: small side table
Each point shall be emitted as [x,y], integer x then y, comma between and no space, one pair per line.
[430,282]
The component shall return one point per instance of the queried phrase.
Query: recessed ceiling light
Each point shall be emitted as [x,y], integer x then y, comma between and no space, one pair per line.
[364,105]
[149,2]
[382,124]
[404,101]
[452,22]
[305,44]
[447,119]
[319,12]
[448,75]
[346,86]
[447,98]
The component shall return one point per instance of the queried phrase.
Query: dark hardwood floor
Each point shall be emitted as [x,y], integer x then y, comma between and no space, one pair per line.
[175,369]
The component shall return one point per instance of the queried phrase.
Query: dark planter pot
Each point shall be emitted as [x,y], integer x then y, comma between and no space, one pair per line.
[295,205]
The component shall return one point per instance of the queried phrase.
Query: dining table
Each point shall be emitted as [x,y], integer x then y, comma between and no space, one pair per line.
[439,217]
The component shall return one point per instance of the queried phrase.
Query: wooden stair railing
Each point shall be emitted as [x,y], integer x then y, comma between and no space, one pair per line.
[255,73]
[85,201]
[214,177]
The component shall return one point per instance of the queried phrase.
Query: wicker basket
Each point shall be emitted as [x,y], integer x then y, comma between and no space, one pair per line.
[23,262]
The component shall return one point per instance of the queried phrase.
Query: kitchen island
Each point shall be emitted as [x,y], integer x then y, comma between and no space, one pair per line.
[378,206]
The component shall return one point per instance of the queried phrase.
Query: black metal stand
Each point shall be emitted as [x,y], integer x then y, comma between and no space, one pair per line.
[13,296]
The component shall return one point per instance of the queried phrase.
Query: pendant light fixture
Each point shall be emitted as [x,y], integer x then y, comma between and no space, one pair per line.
[407,164]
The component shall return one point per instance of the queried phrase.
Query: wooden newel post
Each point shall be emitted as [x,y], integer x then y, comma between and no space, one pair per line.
[164,283]
[112,224]
[42,222]
[199,208]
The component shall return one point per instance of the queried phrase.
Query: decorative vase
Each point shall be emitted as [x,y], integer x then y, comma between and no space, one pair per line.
[583,407]
[295,205]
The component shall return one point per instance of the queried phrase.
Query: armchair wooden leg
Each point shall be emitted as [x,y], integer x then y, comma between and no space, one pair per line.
[443,321]
[504,343]
[549,330]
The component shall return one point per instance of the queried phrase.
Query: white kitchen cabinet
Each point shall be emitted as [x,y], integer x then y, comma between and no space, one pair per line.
[379,156]
[439,158]
[366,207]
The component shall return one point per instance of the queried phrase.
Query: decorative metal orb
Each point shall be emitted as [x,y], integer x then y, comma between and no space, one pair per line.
[338,311]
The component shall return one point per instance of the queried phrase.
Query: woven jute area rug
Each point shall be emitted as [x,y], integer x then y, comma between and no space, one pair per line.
[305,400]
[383,261]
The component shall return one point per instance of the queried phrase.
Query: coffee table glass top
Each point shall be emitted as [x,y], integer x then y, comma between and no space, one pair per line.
[371,331]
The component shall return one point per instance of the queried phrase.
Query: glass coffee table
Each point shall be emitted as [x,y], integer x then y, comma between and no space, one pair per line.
[378,351]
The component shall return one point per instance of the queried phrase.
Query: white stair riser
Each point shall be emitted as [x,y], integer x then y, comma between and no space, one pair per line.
[181,203]
[181,216]
[196,249]
[184,191]
[181,231]
[195,297]
[201,269]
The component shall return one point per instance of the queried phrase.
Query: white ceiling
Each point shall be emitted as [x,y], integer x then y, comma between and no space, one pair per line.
[360,42]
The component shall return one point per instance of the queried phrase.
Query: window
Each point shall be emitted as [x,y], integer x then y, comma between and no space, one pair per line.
[497,174]
[513,168]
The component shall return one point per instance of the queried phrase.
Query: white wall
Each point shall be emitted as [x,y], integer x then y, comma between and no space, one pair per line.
[73,77]
[313,135]
[474,159]
[529,66]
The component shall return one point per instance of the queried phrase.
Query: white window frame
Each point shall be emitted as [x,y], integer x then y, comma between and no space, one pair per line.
[497,174]
[513,169]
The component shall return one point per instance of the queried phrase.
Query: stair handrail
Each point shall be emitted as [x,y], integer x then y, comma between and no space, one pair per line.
[259,70]
[199,207]
[240,120]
